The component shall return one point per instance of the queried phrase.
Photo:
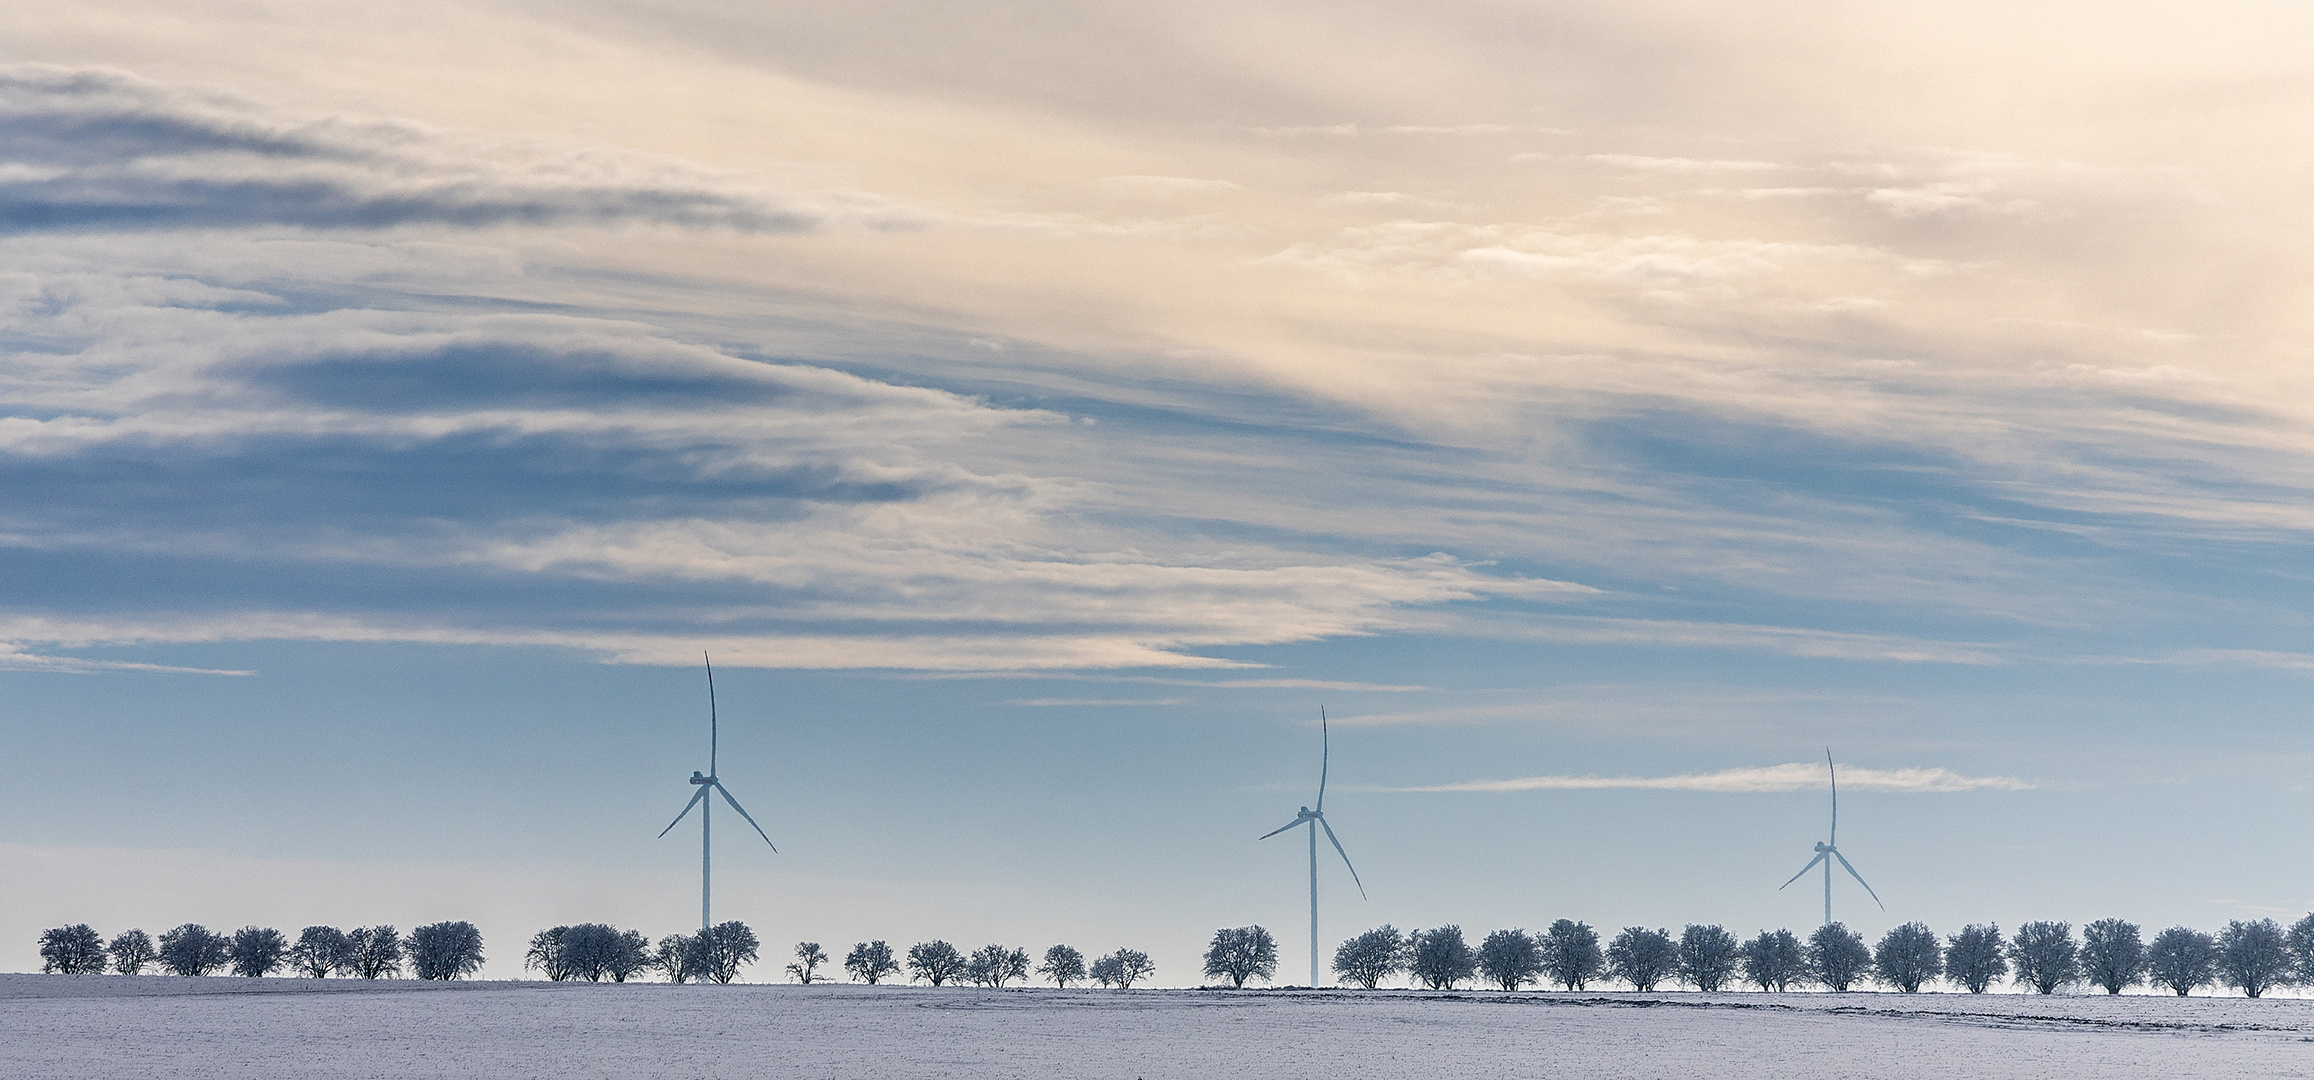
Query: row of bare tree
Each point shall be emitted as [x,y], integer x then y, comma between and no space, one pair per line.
[445,950]
[2110,954]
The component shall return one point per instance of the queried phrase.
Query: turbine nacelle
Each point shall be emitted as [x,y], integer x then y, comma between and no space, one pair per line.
[696,778]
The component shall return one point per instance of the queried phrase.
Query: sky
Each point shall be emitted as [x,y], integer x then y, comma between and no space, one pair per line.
[1042,411]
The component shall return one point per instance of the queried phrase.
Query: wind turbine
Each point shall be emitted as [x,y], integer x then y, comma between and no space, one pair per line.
[706,784]
[1316,819]
[1829,850]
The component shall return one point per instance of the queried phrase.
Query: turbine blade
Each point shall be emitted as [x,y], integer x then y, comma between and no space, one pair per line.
[711,724]
[686,812]
[1325,757]
[718,786]
[1859,879]
[1281,828]
[1834,839]
[1345,856]
[1811,866]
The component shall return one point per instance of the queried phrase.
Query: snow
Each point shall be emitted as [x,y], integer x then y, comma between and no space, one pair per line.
[155,1026]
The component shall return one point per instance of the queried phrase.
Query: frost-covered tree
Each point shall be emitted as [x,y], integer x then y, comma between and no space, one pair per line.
[1241,953]
[871,962]
[1708,957]
[1123,968]
[450,950]
[588,950]
[321,951]
[1775,960]
[1837,956]
[2112,954]
[808,957]
[1063,965]
[1571,954]
[131,951]
[2253,956]
[1510,959]
[681,958]
[1976,957]
[2300,943]
[629,957]
[72,950]
[935,962]
[1908,956]
[377,951]
[192,949]
[547,956]
[994,965]
[1440,958]
[1371,957]
[1642,957]
[2182,958]
[727,946]
[258,951]
[2044,956]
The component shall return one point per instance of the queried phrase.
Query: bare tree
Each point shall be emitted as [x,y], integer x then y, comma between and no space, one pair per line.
[994,965]
[320,951]
[1837,956]
[1708,957]
[630,956]
[1976,957]
[257,952]
[547,955]
[808,957]
[1571,954]
[588,950]
[72,950]
[727,946]
[681,958]
[871,962]
[2253,956]
[1063,965]
[1510,959]
[2045,956]
[2182,958]
[1439,958]
[192,949]
[1246,952]
[131,951]
[935,962]
[1371,957]
[1775,960]
[1907,957]
[377,951]
[2300,943]
[448,950]
[2112,954]
[1642,957]
[1123,968]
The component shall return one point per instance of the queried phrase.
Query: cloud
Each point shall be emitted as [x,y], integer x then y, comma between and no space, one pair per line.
[596,484]
[92,149]
[1091,702]
[1796,776]
[1169,185]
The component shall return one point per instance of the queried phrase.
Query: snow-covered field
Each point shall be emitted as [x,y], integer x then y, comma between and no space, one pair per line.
[119,1027]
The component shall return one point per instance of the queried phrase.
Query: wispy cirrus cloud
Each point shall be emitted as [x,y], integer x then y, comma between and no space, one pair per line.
[95,150]
[1766,779]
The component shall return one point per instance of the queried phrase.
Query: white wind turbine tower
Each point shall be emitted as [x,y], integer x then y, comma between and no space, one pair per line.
[706,784]
[1829,850]
[1316,819]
